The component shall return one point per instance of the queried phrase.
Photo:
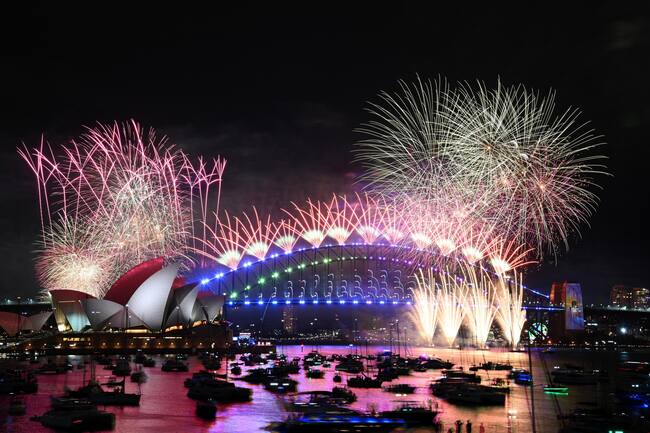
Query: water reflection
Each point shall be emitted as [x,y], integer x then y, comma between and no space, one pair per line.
[165,406]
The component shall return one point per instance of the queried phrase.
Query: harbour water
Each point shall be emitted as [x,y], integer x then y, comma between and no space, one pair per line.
[165,407]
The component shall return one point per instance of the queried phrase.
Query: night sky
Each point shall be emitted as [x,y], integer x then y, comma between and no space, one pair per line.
[279,93]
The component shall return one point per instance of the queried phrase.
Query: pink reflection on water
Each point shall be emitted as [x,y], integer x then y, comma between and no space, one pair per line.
[165,406]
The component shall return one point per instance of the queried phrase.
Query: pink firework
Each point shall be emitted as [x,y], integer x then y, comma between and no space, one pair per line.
[121,196]
[258,233]
[311,221]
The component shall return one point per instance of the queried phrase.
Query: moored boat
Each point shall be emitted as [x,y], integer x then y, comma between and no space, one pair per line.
[413,413]
[174,365]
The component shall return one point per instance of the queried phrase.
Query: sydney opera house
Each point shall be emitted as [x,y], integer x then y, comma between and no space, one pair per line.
[148,307]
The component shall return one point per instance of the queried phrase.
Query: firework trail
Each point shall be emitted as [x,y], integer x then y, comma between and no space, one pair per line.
[424,311]
[510,313]
[480,303]
[452,292]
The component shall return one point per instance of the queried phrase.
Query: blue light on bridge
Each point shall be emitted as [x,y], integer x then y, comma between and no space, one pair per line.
[301,302]
[260,302]
[205,281]
[274,302]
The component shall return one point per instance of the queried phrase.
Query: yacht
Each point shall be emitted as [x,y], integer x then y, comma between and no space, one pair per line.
[314,373]
[280,384]
[413,413]
[400,388]
[94,393]
[328,423]
[219,391]
[76,415]
[174,365]
[364,382]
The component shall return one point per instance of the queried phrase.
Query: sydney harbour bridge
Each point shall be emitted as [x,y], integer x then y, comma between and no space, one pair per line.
[348,274]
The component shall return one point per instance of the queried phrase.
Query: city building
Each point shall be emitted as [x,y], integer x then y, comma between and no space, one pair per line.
[630,297]
[621,296]
[640,298]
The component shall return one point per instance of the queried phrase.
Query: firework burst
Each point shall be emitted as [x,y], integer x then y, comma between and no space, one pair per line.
[498,157]
[116,197]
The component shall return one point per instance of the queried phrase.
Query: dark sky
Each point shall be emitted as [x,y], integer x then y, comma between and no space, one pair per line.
[279,93]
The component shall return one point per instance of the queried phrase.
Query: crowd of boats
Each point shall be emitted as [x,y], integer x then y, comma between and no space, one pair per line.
[327,409]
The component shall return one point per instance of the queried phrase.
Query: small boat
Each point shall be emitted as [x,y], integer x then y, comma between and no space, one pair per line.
[206,409]
[364,382]
[517,371]
[149,362]
[280,384]
[413,413]
[524,379]
[201,376]
[174,365]
[256,375]
[236,370]
[435,364]
[313,358]
[350,365]
[219,391]
[140,358]
[578,377]
[337,378]
[400,388]
[476,395]
[17,407]
[77,415]
[500,385]
[326,423]
[315,373]
[468,377]
[94,392]
[343,394]
[491,366]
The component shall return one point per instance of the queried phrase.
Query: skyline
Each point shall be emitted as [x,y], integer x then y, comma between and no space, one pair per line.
[298,142]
